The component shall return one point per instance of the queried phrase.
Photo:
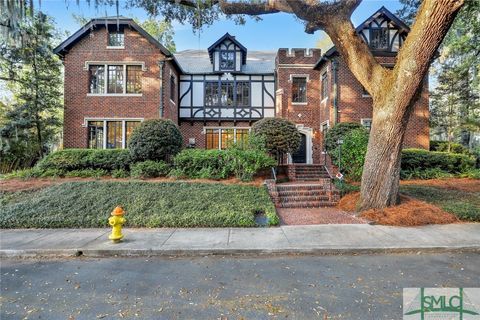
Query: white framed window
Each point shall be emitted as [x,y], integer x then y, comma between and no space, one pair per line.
[367,123]
[324,126]
[223,137]
[116,39]
[115,78]
[109,133]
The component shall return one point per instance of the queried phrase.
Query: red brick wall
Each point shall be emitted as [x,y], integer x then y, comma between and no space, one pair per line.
[79,106]
[298,63]
[353,106]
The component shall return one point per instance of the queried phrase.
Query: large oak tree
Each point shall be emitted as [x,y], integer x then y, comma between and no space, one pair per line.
[394,92]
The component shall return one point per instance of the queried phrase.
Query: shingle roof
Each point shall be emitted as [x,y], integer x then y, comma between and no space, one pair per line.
[198,61]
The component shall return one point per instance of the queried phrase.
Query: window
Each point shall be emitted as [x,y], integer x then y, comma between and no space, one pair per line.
[116,39]
[379,38]
[114,134]
[365,93]
[97,79]
[367,123]
[95,134]
[129,126]
[324,85]
[212,138]
[225,137]
[211,94]
[243,94]
[227,60]
[172,88]
[115,79]
[134,79]
[324,126]
[227,93]
[299,89]
[228,138]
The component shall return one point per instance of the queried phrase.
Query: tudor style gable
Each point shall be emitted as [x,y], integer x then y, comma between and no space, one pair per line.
[227,54]
[383,32]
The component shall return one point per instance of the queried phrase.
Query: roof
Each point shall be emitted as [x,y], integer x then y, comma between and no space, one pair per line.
[399,23]
[63,48]
[227,36]
[198,62]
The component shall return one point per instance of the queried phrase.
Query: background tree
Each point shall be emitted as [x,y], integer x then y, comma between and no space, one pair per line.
[31,122]
[455,105]
[394,92]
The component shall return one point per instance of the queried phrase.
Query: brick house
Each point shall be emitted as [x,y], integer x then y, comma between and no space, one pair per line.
[117,75]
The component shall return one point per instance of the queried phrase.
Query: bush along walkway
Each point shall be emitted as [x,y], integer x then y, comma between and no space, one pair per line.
[320,239]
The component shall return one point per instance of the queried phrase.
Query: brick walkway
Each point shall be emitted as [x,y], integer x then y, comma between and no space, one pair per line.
[326,215]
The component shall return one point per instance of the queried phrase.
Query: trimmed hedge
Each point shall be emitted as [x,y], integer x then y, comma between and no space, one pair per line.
[339,131]
[150,169]
[80,159]
[280,135]
[221,164]
[442,146]
[418,159]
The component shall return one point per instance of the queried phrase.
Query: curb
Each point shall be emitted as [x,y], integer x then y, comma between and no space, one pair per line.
[108,253]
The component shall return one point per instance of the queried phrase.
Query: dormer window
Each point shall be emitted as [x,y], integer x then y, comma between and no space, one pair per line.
[379,38]
[116,39]
[227,60]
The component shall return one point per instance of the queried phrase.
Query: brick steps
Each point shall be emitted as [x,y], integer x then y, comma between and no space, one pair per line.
[303,196]
[310,172]
[311,204]
[312,198]
[302,193]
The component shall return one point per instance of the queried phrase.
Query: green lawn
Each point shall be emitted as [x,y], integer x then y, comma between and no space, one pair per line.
[147,204]
[465,205]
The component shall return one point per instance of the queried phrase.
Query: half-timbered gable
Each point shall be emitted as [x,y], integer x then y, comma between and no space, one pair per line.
[383,32]
[223,83]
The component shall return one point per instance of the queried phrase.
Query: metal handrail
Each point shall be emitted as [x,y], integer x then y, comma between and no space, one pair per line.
[274,174]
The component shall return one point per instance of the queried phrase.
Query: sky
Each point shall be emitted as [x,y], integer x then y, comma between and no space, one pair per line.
[273,32]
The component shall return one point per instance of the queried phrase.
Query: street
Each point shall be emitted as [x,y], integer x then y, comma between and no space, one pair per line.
[226,287]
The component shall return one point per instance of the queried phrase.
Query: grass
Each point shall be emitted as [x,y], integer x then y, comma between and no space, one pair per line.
[147,204]
[465,205]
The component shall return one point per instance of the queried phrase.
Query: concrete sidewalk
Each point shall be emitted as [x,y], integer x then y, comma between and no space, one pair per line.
[318,239]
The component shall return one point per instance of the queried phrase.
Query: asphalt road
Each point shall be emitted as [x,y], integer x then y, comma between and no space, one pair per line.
[279,287]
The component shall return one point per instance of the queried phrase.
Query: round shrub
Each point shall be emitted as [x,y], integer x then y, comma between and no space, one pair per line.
[339,131]
[280,135]
[157,139]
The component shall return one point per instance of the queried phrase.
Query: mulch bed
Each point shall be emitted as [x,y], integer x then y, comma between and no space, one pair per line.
[410,212]
[307,216]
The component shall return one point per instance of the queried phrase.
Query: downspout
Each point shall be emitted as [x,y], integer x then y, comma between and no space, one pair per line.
[161,64]
[335,90]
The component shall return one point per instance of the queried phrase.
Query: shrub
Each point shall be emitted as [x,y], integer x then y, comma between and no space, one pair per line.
[246,163]
[157,140]
[339,131]
[120,173]
[150,169]
[353,152]
[87,173]
[80,159]
[442,146]
[280,135]
[418,159]
[202,164]
[472,174]
[429,173]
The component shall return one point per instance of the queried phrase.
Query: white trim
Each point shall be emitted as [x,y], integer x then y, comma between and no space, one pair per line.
[130,63]
[363,120]
[327,122]
[366,96]
[299,66]
[306,76]
[299,103]
[105,132]
[114,94]
[308,132]
[115,47]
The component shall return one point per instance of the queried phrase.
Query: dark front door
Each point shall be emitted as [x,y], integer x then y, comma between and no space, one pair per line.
[301,155]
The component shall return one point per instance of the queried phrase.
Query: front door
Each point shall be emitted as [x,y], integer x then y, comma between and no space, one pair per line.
[300,156]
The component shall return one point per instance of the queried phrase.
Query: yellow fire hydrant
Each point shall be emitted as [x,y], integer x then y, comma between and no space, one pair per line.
[116,221]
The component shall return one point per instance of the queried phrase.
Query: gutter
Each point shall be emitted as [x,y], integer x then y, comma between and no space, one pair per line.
[335,90]
[161,64]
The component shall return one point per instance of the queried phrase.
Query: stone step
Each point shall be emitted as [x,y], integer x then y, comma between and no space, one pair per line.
[312,198]
[312,176]
[309,204]
[310,170]
[300,187]
[301,193]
